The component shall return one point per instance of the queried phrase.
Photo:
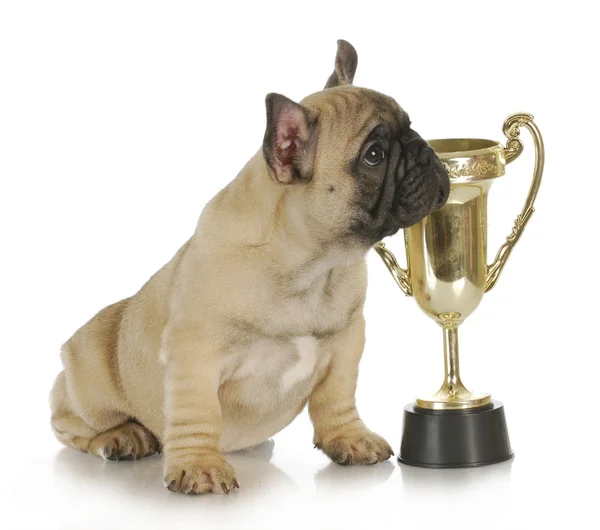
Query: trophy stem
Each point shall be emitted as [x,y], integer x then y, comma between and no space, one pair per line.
[452,382]
[453,395]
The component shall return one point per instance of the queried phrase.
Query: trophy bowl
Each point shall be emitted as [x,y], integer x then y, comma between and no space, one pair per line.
[447,274]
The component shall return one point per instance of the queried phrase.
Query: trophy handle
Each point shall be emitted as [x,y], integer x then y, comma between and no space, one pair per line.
[400,275]
[514,147]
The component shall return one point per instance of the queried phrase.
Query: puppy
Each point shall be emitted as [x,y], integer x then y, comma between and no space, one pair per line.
[261,311]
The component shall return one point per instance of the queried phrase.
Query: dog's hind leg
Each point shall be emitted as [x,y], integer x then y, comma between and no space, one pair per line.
[69,428]
[90,410]
[112,437]
[128,441]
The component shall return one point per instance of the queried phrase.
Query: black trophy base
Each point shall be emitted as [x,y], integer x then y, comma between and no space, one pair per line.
[456,438]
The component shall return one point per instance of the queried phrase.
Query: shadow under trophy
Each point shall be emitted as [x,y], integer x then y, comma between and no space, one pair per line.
[447,274]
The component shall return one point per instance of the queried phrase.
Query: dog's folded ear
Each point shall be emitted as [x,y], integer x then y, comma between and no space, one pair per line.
[287,145]
[346,61]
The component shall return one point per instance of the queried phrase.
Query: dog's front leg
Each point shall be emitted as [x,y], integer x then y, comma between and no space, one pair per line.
[339,431]
[193,461]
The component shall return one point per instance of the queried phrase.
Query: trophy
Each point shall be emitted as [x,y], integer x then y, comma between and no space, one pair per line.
[447,274]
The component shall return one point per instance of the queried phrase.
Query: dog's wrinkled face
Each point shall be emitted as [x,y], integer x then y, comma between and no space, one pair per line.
[399,178]
[362,171]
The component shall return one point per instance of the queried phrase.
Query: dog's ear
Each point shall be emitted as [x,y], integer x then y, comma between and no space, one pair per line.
[346,61]
[287,145]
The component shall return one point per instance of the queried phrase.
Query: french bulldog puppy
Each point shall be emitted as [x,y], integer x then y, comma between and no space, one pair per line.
[261,311]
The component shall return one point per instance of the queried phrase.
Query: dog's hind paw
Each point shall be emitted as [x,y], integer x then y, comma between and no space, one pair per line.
[129,441]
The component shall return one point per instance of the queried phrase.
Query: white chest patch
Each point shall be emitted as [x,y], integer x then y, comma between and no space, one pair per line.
[304,367]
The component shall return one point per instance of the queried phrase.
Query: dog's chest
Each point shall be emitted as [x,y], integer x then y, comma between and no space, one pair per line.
[277,357]
[278,366]
[265,384]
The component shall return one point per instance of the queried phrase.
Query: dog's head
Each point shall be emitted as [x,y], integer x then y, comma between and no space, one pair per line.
[351,158]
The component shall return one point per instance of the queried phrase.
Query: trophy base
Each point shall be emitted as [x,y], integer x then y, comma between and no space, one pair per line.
[455,438]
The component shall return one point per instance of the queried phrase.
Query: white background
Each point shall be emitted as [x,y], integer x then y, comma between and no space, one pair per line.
[119,120]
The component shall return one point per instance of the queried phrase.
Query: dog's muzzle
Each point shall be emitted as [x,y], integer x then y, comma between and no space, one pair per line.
[422,181]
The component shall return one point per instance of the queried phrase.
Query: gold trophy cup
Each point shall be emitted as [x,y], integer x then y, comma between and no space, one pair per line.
[448,275]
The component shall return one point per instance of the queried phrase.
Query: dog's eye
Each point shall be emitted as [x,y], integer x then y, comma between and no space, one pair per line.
[375,154]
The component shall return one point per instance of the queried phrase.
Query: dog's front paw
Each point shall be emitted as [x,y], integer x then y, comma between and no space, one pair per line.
[205,473]
[355,445]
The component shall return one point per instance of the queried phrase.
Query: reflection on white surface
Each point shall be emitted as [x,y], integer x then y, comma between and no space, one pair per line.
[473,497]
[362,478]
[135,489]
[143,478]
[418,483]
[285,483]
[268,493]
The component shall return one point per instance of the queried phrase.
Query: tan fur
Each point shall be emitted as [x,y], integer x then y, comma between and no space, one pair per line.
[259,313]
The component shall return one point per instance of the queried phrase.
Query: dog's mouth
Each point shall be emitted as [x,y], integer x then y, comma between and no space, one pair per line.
[441,198]
[413,201]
